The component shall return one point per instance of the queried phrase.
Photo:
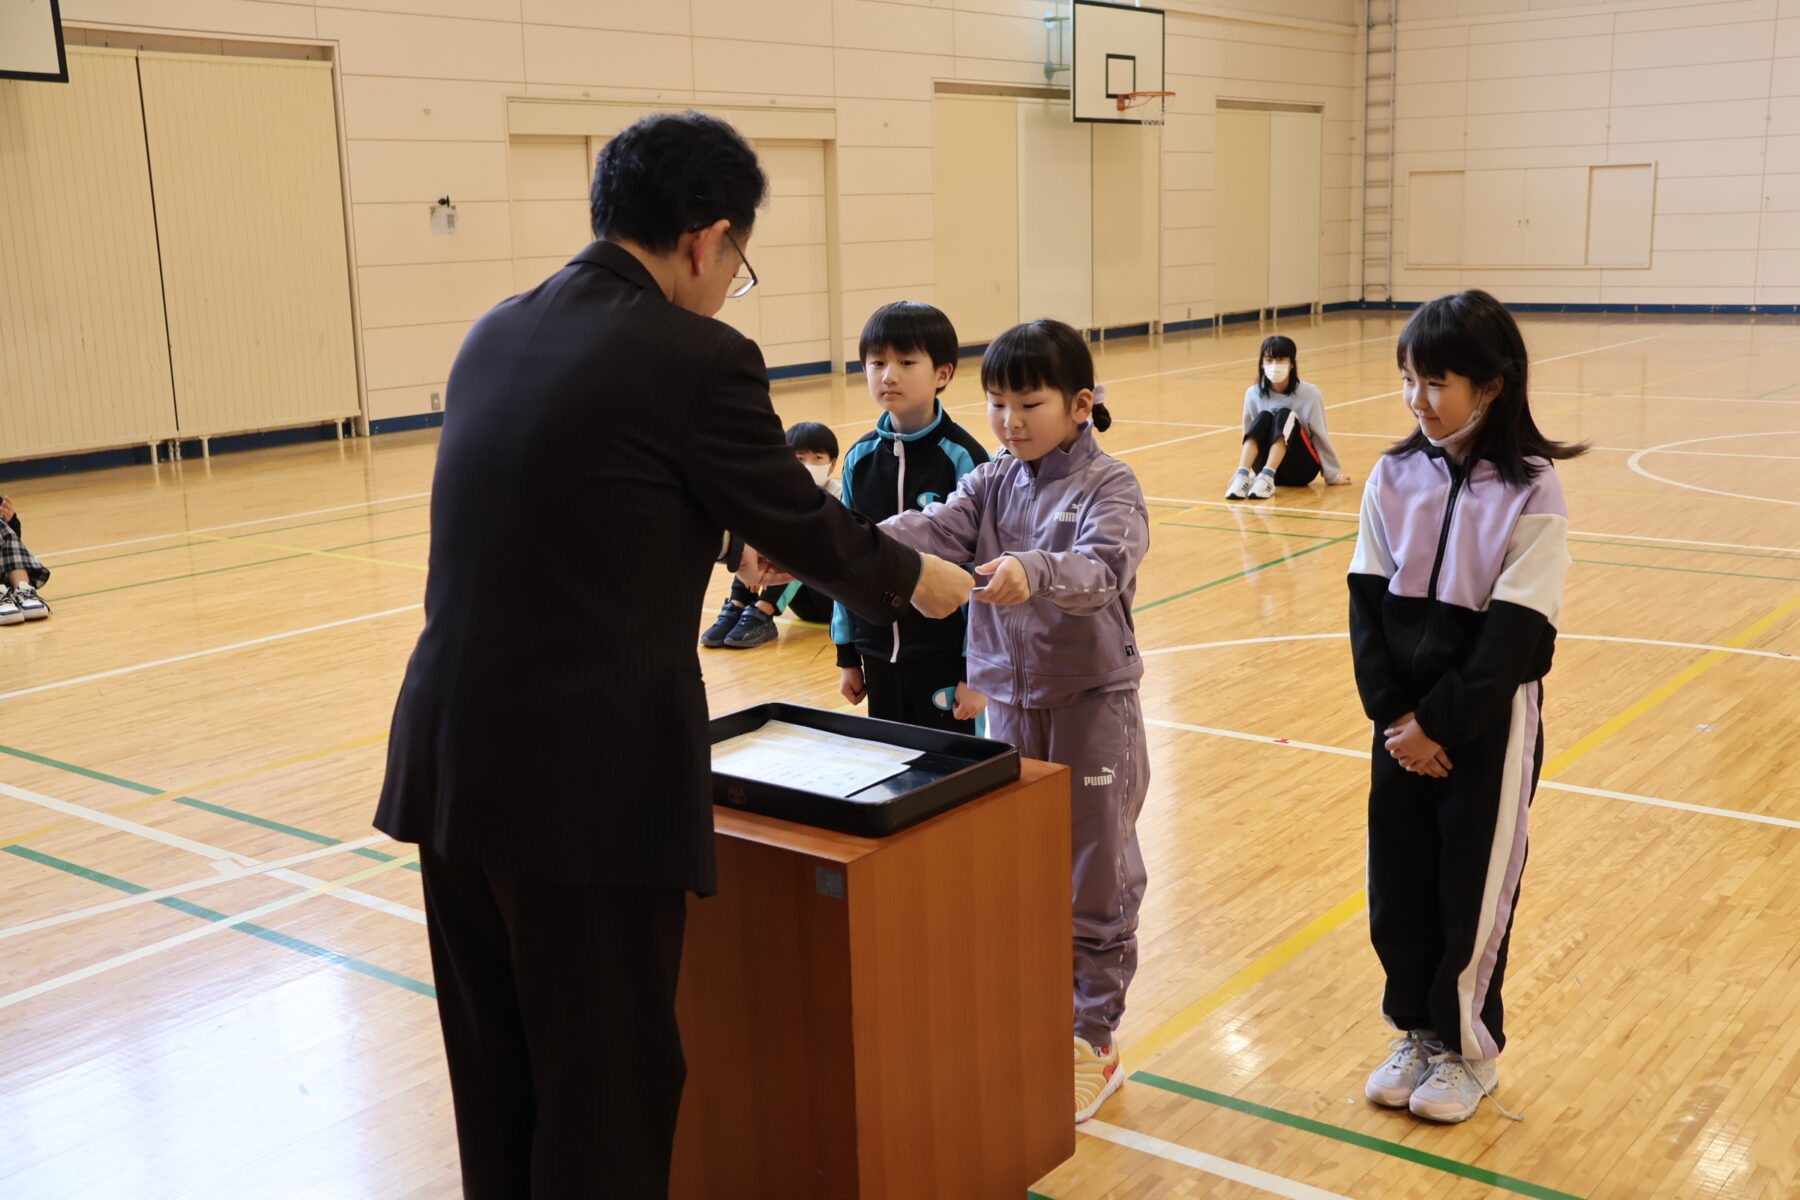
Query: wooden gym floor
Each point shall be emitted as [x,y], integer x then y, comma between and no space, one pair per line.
[214,979]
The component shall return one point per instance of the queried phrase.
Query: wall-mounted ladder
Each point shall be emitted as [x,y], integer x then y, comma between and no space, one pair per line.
[1382,27]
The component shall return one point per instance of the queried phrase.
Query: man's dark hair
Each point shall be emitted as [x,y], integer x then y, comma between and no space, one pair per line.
[813,438]
[671,173]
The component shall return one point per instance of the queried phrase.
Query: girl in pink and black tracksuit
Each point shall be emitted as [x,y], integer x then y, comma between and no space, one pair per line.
[1456,589]
[1058,528]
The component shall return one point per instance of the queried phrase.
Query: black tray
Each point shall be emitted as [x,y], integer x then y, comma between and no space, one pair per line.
[955,769]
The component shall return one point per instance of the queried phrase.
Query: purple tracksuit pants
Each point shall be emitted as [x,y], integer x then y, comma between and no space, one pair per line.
[1101,740]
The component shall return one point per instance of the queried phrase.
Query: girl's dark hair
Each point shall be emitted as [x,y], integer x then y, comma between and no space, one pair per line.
[813,438]
[1278,347]
[1042,354]
[671,173]
[1471,334]
[909,327]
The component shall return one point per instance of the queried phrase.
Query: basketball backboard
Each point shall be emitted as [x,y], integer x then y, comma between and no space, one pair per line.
[1118,50]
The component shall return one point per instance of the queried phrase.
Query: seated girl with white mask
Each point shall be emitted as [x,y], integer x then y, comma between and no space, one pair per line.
[1285,440]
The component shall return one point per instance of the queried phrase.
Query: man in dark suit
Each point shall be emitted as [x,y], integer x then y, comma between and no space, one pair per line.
[550,751]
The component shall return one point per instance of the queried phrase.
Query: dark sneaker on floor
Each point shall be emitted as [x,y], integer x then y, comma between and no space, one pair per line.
[10,612]
[719,630]
[30,605]
[754,628]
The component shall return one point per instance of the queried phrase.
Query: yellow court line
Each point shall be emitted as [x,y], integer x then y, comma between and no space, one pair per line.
[1183,1022]
[380,562]
[1666,689]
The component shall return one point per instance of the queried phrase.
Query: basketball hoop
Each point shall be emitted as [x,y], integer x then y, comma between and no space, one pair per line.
[1130,100]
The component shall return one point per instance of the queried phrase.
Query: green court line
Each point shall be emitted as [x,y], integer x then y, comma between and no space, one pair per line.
[1351,1137]
[1597,562]
[1234,529]
[1274,562]
[216,809]
[272,936]
[189,545]
[125,587]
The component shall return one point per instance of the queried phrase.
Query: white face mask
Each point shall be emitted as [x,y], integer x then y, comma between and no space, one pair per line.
[1458,441]
[820,472]
[1277,372]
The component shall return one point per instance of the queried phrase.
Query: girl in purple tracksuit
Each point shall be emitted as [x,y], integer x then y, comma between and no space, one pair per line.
[1058,529]
[1455,592]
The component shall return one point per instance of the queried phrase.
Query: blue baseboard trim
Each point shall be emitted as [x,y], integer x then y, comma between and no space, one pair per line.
[1141,329]
[134,456]
[798,370]
[1184,326]
[430,420]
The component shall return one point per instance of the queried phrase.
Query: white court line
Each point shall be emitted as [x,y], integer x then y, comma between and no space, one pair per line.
[1388,437]
[1211,1164]
[1653,801]
[163,662]
[192,935]
[1635,462]
[1639,396]
[1247,506]
[230,875]
[234,525]
[203,849]
[1566,637]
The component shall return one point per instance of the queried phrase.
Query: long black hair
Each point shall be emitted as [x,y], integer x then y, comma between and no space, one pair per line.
[1279,347]
[1471,334]
[1042,354]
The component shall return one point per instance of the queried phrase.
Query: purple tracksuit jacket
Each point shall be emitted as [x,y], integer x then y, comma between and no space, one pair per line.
[1061,672]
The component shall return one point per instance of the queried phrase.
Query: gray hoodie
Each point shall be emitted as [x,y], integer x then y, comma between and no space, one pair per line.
[1079,527]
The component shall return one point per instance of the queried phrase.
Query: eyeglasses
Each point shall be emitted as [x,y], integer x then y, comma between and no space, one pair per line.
[742,282]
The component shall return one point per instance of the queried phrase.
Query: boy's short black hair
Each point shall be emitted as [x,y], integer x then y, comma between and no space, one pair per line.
[814,438]
[671,173]
[907,326]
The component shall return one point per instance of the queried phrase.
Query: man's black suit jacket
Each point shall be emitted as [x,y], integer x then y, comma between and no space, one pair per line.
[597,441]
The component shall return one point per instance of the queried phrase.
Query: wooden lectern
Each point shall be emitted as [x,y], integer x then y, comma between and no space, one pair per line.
[882,1019]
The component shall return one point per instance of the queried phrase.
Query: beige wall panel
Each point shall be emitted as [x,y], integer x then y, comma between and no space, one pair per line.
[627,15]
[376,43]
[1537,93]
[412,354]
[877,75]
[432,294]
[475,10]
[247,18]
[792,221]
[884,122]
[790,270]
[871,172]
[1713,81]
[1127,252]
[892,28]
[762,68]
[403,402]
[1014,38]
[881,218]
[529,272]
[424,109]
[78,265]
[1294,207]
[249,209]
[545,169]
[786,21]
[1709,231]
[1711,159]
[795,319]
[1242,250]
[1535,131]
[397,234]
[794,169]
[420,172]
[1056,214]
[905,264]
[618,60]
[976,252]
[543,228]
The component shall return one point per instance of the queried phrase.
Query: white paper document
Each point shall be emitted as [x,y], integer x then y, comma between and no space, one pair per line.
[811,759]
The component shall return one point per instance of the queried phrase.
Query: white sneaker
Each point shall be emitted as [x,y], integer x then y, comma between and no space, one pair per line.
[1097,1076]
[30,605]
[10,613]
[1456,1087]
[1239,486]
[1392,1084]
[1263,486]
